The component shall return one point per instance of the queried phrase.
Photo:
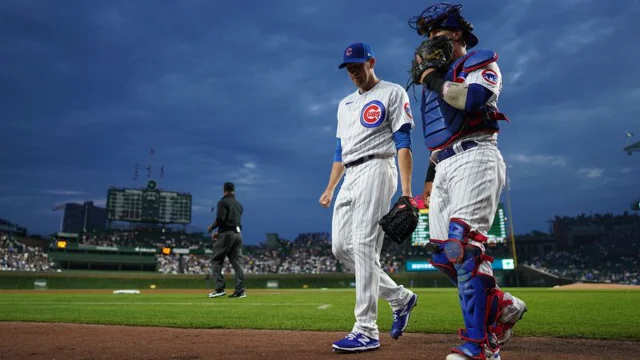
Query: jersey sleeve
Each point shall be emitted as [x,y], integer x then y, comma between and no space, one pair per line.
[489,77]
[400,110]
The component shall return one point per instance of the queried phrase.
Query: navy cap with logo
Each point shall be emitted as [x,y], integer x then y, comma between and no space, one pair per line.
[356,53]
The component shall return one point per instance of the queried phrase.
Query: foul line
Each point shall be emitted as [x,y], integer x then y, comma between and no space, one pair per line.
[211,303]
[324,307]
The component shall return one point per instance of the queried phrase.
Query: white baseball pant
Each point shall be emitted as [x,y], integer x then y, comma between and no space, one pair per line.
[467,186]
[364,198]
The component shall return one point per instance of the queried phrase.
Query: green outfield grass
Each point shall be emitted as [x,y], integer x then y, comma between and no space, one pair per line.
[606,314]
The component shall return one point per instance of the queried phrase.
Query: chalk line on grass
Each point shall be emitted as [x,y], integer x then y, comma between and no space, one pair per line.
[233,302]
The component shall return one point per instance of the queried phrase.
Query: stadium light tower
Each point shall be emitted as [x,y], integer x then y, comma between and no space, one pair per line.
[631,147]
[510,222]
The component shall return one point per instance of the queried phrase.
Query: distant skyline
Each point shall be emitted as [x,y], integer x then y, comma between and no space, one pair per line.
[249,94]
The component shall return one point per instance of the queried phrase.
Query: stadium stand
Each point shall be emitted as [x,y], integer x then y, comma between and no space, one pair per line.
[594,248]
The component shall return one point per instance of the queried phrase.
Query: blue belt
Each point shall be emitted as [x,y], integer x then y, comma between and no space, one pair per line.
[360,160]
[450,151]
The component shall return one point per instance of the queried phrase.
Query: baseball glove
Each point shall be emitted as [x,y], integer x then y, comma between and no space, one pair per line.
[401,221]
[435,53]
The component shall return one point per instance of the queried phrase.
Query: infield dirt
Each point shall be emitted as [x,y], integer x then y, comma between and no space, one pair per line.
[31,340]
[582,286]
[22,340]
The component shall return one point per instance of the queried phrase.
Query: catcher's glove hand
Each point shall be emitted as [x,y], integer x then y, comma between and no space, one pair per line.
[401,221]
[435,53]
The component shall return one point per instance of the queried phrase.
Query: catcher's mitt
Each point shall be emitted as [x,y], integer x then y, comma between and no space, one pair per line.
[435,53]
[401,221]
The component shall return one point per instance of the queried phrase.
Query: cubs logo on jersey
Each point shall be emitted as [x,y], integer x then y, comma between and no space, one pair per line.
[490,76]
[407,110]
[373,114]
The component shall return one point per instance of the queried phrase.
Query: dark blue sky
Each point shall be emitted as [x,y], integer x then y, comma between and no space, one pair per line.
[247,92]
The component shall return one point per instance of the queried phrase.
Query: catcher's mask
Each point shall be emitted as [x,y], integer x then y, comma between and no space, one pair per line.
[444,16]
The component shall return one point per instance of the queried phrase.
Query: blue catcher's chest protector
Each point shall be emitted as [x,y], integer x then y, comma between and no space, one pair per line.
[441,122]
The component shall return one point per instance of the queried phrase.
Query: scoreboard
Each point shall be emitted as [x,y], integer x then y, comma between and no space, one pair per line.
[497,233]
[148,205]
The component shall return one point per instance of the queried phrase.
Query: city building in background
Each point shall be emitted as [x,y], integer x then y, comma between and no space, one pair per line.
[83,217]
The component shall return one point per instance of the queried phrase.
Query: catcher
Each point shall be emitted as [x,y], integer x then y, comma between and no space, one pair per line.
[466,173]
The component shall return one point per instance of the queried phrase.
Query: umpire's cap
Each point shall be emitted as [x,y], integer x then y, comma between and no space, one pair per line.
[228,186]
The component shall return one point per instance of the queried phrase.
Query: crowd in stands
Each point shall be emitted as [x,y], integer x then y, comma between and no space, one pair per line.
[613,256]
[145,238]
[15,256]
[610,254]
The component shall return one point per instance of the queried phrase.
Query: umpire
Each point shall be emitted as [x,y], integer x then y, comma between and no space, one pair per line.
[227,242]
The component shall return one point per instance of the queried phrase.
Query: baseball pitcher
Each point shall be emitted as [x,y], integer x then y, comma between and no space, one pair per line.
[460,120]
[374,125]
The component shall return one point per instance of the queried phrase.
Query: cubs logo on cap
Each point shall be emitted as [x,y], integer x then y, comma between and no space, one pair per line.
[356,53]
[373,114]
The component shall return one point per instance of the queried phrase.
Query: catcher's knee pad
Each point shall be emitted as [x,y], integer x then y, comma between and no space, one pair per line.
[460,236]
[440,261]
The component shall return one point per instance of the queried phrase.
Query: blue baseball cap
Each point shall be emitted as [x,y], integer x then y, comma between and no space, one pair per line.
[356,53]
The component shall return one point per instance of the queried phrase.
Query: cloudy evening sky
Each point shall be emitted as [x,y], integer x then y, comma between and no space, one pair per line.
[248,91]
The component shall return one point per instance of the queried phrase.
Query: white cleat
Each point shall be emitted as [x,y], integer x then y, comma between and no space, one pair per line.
[489,355]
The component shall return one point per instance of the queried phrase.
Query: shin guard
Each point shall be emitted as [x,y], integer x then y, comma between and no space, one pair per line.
[476,293]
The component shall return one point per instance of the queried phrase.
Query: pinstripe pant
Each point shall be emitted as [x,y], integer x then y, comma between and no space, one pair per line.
[364,198]
[467,186]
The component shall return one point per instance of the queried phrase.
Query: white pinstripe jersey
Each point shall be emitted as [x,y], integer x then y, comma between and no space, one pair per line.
[490,77]
[366,122]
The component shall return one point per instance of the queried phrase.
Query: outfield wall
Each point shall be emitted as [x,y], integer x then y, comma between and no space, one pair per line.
[138,280]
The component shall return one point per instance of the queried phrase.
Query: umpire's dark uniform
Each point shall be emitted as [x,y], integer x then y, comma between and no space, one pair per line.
[229,242]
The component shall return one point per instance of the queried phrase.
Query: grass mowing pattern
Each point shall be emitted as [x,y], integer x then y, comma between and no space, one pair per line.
[608,314]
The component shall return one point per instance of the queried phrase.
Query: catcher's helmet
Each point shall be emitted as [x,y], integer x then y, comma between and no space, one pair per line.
[444,16]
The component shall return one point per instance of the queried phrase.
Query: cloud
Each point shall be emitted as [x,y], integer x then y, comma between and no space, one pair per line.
[65,192]
[591,173]
[200,209]
[542,160]
[101,202]
[584,34]
[12,200]
[314,109]
[168,80]
[246,176]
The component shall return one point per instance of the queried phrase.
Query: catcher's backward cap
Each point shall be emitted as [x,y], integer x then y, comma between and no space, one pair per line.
[444,16]
[356,53]
[453,22]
